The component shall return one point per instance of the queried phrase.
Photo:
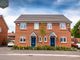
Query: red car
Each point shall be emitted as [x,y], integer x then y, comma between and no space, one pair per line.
[74,45]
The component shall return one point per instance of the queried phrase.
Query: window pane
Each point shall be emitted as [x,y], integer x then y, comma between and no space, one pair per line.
[40,39]
[49,26]
[45,39]
[22,25]
[63,40]
[22,39]
[36,25]
[0,29]
[62,25]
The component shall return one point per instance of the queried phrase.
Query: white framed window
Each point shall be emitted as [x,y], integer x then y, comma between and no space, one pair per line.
[22,39]
[23,25]
[0,29]
[63,39]
[45,39]
[49,25]
[36,25]
[40,39]
[62,25]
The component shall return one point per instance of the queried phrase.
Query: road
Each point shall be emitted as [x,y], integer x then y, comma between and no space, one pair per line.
[16,57]
[8,54]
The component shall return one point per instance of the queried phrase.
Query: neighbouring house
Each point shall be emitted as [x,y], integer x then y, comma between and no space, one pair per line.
[11,37]
[40,30]
[3,31]
[75,40]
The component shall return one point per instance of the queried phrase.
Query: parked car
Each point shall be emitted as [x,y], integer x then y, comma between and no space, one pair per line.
[76,45]
[10,44]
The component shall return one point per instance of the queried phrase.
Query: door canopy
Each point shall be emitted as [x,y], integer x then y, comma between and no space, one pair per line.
[33,34]
[53,34]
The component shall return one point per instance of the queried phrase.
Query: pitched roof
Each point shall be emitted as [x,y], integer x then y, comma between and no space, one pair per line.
[11,34]
[39,17]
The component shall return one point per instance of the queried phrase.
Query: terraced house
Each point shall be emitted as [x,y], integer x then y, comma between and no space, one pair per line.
[39,30]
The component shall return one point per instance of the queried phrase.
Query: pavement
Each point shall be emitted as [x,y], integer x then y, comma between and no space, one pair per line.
[7,53]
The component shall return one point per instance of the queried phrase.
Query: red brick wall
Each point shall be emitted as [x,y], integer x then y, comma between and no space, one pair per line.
[78,39]
[75,40]
[30,29]
[3,33]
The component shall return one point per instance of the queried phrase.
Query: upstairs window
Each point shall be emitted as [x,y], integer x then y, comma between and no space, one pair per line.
[22,39]
[0,29]
[36,25]
[63,40]
[62,25]
[23,25]
[49,25]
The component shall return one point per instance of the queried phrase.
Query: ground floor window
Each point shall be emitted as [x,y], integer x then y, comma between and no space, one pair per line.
[22,39]
[45,39]
[63,39]
[40,39]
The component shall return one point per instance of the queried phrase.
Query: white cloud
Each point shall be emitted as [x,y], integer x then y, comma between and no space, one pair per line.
[11,15]
[73,15]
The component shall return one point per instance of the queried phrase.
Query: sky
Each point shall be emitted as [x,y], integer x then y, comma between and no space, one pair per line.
[68,8]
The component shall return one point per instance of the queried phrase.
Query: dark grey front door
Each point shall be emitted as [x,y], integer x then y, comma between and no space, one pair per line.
[52,41]
[33,41]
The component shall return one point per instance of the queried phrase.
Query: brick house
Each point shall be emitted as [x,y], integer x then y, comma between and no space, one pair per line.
[11,36]
[39,30]
[3,31]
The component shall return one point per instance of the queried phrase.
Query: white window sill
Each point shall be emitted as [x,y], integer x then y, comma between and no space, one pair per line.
[23,29]
[63,28]
[36,29]
[45,41]
[63,42]
[40,41]
[49,29]
[22,42]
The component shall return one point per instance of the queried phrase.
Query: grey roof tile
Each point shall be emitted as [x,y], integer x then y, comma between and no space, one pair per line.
[39,18]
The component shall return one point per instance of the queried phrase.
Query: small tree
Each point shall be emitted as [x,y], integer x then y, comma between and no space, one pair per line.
[4,3]
[42,30]
[76,30]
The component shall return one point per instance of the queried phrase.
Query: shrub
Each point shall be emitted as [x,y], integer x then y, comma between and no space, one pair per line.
[44,48]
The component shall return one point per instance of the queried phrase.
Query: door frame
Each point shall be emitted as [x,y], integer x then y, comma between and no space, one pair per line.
[31,41]
[53,34]
[54,42]
[33,34]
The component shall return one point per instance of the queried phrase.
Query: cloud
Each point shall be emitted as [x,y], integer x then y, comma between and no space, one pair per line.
[10,15]
[73,15]
[69,8]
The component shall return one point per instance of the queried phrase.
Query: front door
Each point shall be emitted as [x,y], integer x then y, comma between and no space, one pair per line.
[33,41]
[52,41]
